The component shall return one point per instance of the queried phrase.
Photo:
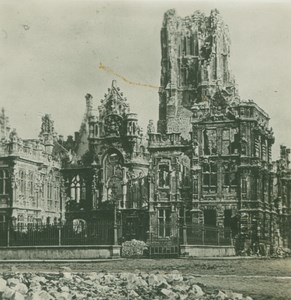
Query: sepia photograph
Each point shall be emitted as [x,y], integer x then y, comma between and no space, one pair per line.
[145,150]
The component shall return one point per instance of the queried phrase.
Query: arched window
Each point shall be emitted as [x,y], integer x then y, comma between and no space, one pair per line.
[78,189]
[75,188]
[3,182]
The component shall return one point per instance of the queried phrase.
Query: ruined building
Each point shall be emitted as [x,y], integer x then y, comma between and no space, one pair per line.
[207,163]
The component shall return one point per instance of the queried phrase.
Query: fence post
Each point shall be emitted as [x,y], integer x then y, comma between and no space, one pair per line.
[185,235]
[203,236]
[115,233]
[184,228]
[60,234]
[8,234]
[218,236]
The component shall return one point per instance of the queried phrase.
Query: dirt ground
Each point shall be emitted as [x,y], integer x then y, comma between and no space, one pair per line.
[261,279]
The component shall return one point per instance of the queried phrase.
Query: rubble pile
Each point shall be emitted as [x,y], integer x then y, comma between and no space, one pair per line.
[66,285]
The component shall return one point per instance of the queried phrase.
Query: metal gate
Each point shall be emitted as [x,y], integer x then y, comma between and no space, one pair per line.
[164,242]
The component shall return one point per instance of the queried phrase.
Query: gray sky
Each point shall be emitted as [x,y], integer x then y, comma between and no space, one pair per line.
[50,52]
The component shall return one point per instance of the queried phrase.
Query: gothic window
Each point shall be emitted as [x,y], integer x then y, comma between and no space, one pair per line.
[257,146]
[30,183]
[42,186]
[78,189]
[209,177]
[209,142]
[49,190]
[29,221]
[264,149]
[244,187]
[164,225]
[195,186]
[22,181]
[75,188]
[164,177]
[20,222]
[3,182]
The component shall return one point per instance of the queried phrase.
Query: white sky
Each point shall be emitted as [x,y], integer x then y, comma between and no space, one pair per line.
[50,52]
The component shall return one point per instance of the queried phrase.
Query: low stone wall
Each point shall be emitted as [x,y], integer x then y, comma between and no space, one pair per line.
[60,252]
[207,251]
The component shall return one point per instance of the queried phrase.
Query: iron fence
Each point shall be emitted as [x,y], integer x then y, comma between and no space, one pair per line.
[93,233]
[206,235]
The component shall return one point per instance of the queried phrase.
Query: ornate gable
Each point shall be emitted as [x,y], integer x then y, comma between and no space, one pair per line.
[114,103]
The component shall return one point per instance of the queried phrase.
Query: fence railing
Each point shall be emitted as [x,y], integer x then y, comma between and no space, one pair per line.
[206,235]
[93,233]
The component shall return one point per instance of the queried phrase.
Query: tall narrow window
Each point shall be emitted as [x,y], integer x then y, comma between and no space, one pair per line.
[230,178]
[209,177]
[22,182]
[30,183]
[78,189]
[164,180]
[244,187]
[209,142]
[42,186]
[258,146]
[225,142]
[164,222]
[3,182]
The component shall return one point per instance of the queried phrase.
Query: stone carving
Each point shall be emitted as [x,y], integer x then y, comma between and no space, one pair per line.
[112,125]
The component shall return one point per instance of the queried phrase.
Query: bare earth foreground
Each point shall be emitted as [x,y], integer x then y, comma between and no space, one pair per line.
[259,278]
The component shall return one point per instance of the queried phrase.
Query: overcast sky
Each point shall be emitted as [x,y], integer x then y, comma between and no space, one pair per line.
[51,50]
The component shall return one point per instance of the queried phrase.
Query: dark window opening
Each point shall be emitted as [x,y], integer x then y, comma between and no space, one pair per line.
[227,218]
[210,217]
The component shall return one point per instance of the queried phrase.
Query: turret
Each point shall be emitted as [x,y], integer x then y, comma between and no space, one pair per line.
[47,133]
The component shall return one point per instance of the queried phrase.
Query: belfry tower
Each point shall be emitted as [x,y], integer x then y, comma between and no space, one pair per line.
[194,67]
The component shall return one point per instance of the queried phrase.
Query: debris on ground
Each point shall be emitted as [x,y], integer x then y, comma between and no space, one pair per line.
[67,285]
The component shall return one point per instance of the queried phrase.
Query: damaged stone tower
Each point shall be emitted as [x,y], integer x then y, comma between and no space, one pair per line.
[194,67]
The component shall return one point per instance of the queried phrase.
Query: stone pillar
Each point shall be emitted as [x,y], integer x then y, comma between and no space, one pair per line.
[184,227]
[124,187]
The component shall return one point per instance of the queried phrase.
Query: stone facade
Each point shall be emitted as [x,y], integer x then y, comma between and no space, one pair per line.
[208,163]
[31,185]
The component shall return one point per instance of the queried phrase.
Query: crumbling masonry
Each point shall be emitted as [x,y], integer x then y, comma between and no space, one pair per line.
[208,164]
